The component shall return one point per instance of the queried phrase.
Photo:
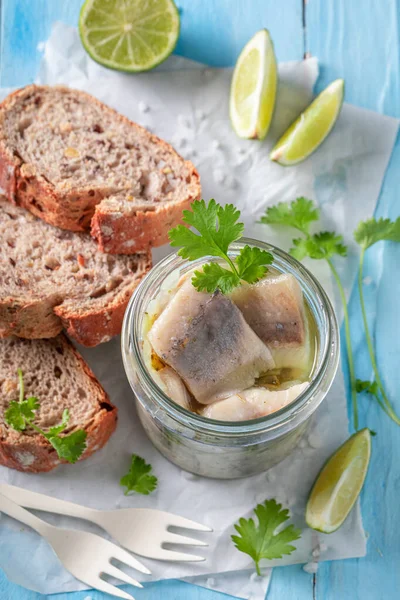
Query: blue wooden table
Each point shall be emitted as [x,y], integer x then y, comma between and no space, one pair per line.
[357,40]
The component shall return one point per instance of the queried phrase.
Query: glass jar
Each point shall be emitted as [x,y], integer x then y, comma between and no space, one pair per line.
[223,449]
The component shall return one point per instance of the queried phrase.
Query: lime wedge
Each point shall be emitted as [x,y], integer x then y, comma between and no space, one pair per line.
[253,88]
[310,129]
[129,35]
[339,484]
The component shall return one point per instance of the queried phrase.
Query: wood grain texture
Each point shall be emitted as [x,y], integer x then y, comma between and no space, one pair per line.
[360,42]
[213,32]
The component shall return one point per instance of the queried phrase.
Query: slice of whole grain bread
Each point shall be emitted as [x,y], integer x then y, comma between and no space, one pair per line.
[78,164]
[50,279]
[57,375]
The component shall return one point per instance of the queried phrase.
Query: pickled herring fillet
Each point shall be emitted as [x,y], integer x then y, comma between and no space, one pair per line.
[274,309]
[175,388]
[206,340]
[253,403]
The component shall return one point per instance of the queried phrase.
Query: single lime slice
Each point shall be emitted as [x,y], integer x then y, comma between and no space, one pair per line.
[310,129]
[339,484]
[129,35]
[253,88]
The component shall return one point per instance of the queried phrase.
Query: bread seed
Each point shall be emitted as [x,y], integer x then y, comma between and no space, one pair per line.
[71,153]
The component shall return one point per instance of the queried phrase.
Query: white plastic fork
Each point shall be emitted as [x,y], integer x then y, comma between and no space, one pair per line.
[85,555]
[144,531]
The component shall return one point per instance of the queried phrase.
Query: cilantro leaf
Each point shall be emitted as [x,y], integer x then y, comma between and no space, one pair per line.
[53,431]
[214,276]
[217,226]
[69,447]
[261,540]
[138,478]
[298,214]
[371,231]
[251,263]
[21,414]
[318,246]
[18,414]
[371,387]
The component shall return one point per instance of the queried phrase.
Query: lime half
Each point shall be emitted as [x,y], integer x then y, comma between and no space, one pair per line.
[253,88]
[310,129]
[129,35]
[339,484]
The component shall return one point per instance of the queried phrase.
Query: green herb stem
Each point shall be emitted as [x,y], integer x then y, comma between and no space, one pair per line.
[258,568]
[21,385]
[349,350]
[389,408]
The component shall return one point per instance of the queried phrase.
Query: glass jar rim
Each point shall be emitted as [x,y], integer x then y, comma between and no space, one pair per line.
[299,409]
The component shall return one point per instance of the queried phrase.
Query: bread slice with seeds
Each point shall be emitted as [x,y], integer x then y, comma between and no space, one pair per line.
[50,279]
[58,376]
[78,164]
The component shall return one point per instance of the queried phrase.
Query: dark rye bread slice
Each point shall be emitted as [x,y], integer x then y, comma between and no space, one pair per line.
[50,279]
[78,164]
[56,373]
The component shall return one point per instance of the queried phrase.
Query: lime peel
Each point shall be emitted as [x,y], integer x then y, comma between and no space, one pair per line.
[129,35]
[339,484]
[253,88]
[311,128]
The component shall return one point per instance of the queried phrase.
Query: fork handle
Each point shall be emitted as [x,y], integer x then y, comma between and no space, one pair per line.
[47,503]
[15,511]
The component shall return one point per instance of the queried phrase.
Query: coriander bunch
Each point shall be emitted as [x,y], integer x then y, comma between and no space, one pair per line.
[21,414]
[366,235]
[218,227]
[299,214]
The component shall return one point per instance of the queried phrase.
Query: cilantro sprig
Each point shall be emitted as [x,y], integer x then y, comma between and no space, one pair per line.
[138,478]
[366,235]
[20,414]
[300,214]
[217,228]
[262,540]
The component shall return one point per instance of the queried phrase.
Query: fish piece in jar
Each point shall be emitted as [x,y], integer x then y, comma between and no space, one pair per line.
[253,403]
[274,309]
[206,340]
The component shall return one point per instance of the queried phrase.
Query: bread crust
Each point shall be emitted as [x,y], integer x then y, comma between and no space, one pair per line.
[45,318]
[95,327]
[77,209]
[141,230]
[34,454]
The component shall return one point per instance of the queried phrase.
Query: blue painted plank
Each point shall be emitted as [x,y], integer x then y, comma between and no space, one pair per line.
[360,42]
[212,31]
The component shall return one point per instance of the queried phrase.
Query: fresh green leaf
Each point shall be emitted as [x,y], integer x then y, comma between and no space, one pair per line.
[262,540]
[21,414]
[371,231]
[318,246]
[367,386]
[251,263]
[53,431]
[18,414]
[69,447]
[298,214]
[217,226]
[138,478]
[213,277]
[14,417]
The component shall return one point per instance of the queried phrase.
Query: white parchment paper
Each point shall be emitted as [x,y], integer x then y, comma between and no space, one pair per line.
[189,108]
